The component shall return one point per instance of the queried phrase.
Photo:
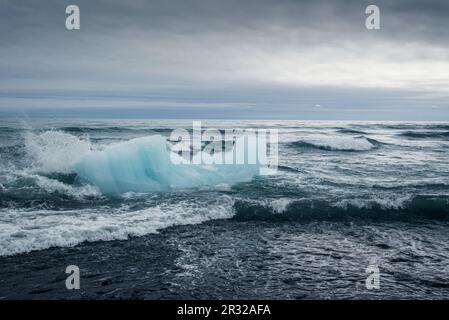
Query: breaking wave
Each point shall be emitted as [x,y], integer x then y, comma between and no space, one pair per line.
[41,229]
[336,143]
[403,208]
[55,151]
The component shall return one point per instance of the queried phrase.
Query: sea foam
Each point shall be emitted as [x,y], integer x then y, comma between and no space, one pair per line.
[24,231]
[55,151]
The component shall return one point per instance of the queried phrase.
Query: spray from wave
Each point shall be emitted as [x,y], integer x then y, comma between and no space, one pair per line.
[24,231]
[41,170]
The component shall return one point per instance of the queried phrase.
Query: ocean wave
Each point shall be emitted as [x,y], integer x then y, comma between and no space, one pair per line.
[437,126]
[55,151]
[425,134]
[399,208]
[8,130]
[60,187]
[350,131]
[93,129]
[410,126]
[53,185]
[26,189]
[336,143]
[25,231]
[114,130]
[280,205]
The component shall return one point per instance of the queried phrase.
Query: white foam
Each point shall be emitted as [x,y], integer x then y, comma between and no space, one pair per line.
[47,185]
[280,205]
[385,203]
[52,185]
[24,231]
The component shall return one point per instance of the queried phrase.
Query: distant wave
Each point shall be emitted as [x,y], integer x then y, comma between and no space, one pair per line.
[410,126]
[9,130]
[337,143]
[88,130]
[425,134]
[406,208]
[437,127]
[55,151]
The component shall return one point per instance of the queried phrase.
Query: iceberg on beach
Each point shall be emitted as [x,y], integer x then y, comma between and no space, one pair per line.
[144,165]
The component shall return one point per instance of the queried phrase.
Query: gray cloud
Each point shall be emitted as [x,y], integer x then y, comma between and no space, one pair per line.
[227,58]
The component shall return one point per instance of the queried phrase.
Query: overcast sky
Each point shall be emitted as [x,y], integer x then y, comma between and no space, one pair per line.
[226,59]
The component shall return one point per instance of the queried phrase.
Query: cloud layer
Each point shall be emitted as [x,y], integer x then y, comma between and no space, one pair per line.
[256,59]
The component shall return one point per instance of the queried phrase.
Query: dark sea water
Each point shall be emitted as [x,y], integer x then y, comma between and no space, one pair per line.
[346,195]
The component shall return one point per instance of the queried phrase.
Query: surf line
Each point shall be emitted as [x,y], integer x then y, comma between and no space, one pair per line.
[250,146]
